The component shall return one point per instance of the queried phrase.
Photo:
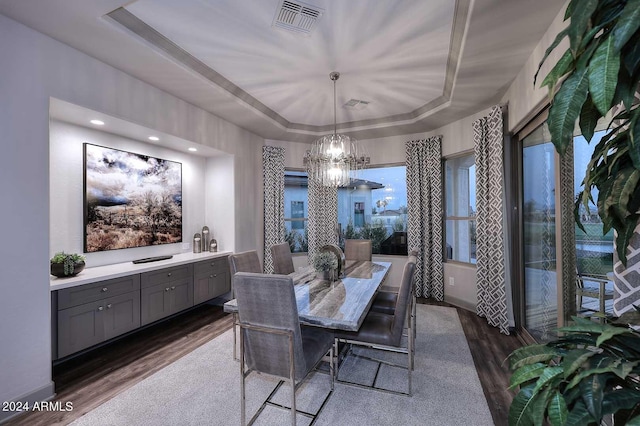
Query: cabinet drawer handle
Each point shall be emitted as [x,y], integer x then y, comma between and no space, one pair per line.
[104,289]
[109,306]
[100,308]
[211,276]
[169,274]
[215,275]
[173,288]
[213,264]
[167,289]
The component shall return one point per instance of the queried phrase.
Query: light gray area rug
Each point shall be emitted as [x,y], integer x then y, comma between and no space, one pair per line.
[203,388]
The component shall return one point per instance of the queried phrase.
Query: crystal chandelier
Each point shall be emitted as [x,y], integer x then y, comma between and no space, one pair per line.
[335,159]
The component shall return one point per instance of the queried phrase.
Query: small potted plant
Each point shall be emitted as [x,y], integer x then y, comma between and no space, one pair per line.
[66,264]
[326,264]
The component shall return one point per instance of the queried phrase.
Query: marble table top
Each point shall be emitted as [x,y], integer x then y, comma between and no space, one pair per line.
[341,304]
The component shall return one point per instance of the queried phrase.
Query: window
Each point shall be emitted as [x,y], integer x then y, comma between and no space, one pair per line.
[295,210]
[374,207]
[297,215]
[460,203]
[358,214]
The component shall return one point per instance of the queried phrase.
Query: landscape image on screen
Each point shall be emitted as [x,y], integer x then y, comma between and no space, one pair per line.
[131,200]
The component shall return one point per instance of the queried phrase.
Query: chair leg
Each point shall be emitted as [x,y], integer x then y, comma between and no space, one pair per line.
[243,415]
[331,370]
[292,378]
[235,321]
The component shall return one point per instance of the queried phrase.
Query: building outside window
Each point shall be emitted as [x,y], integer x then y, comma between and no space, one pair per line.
[374,207]
[460,209]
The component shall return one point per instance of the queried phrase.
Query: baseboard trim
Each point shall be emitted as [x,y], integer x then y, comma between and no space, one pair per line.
[45,393]
[460,303]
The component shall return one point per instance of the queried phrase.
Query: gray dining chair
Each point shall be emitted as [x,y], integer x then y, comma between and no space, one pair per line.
[282,259]
[357,249]
[247,261]
[272,341]
[384,331]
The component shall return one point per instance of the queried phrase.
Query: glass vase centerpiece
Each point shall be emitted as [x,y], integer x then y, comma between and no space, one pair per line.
[326,266]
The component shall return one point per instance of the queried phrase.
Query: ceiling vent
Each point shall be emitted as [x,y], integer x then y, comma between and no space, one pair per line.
[356,104]
[297,17]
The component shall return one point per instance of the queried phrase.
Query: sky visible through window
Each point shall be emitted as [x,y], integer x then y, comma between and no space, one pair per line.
[395,185]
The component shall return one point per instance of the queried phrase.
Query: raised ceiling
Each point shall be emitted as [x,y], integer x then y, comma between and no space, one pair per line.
[419,64]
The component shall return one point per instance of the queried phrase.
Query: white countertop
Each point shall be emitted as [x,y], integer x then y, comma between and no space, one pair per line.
[99,273]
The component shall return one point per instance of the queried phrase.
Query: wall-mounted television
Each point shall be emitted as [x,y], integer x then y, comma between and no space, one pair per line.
[130,200]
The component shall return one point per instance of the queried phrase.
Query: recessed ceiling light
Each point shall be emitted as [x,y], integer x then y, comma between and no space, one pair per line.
[97,122]
[154,138]
[192,149]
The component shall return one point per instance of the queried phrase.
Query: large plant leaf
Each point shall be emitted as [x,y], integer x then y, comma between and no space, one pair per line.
[539,405]
[553,45]
[628,23]
[633,422]
[624,185]
[561,67]
[530,355]
[620,399]
[593,393]
[547,377]
[624,90]
[579,415]
[625,368]
[526,373]
[631,55]
[580,23]
[603,75]
[566,109]
[558,411]
[634,139]
[589,117]
[625,232]
[574,360]
[602,366]
[521,406]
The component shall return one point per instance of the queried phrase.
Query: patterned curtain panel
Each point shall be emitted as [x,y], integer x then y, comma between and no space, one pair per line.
[490,254]
[424,214]
[273,179]
[323,217]
[568,235]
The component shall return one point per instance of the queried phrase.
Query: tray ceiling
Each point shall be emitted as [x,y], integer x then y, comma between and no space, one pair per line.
[415,64]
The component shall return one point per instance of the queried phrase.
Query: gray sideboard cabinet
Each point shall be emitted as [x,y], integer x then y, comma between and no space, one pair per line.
[211,279]
[92,313]
[165,292]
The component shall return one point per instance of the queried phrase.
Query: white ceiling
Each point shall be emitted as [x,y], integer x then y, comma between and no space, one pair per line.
[421,64]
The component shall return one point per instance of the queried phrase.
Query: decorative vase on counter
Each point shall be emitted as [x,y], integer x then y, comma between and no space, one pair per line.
[57,270]
[213,247]
[205,238]
[197,248]
[66,264]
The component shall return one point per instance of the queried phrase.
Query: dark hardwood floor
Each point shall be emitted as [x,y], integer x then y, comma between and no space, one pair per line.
[97,376]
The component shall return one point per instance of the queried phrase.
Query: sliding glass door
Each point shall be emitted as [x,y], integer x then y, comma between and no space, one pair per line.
[539,234]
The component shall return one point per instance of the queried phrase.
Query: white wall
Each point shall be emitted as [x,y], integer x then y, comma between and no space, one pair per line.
[35,68]
[523,97]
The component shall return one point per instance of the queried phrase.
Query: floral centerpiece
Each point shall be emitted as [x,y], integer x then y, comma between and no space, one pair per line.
[326,264]
[66,264]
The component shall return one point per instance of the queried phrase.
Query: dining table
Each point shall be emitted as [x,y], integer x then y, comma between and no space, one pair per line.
[341,304]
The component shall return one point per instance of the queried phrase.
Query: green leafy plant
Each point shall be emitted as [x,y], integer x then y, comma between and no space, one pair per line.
[325,261]
[69,260]
[599,70]
[589,372]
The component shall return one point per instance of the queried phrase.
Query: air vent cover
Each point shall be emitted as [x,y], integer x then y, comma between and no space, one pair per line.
[297,17]
[356,104]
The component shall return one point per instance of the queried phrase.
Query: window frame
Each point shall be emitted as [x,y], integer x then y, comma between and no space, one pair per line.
[445,217]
